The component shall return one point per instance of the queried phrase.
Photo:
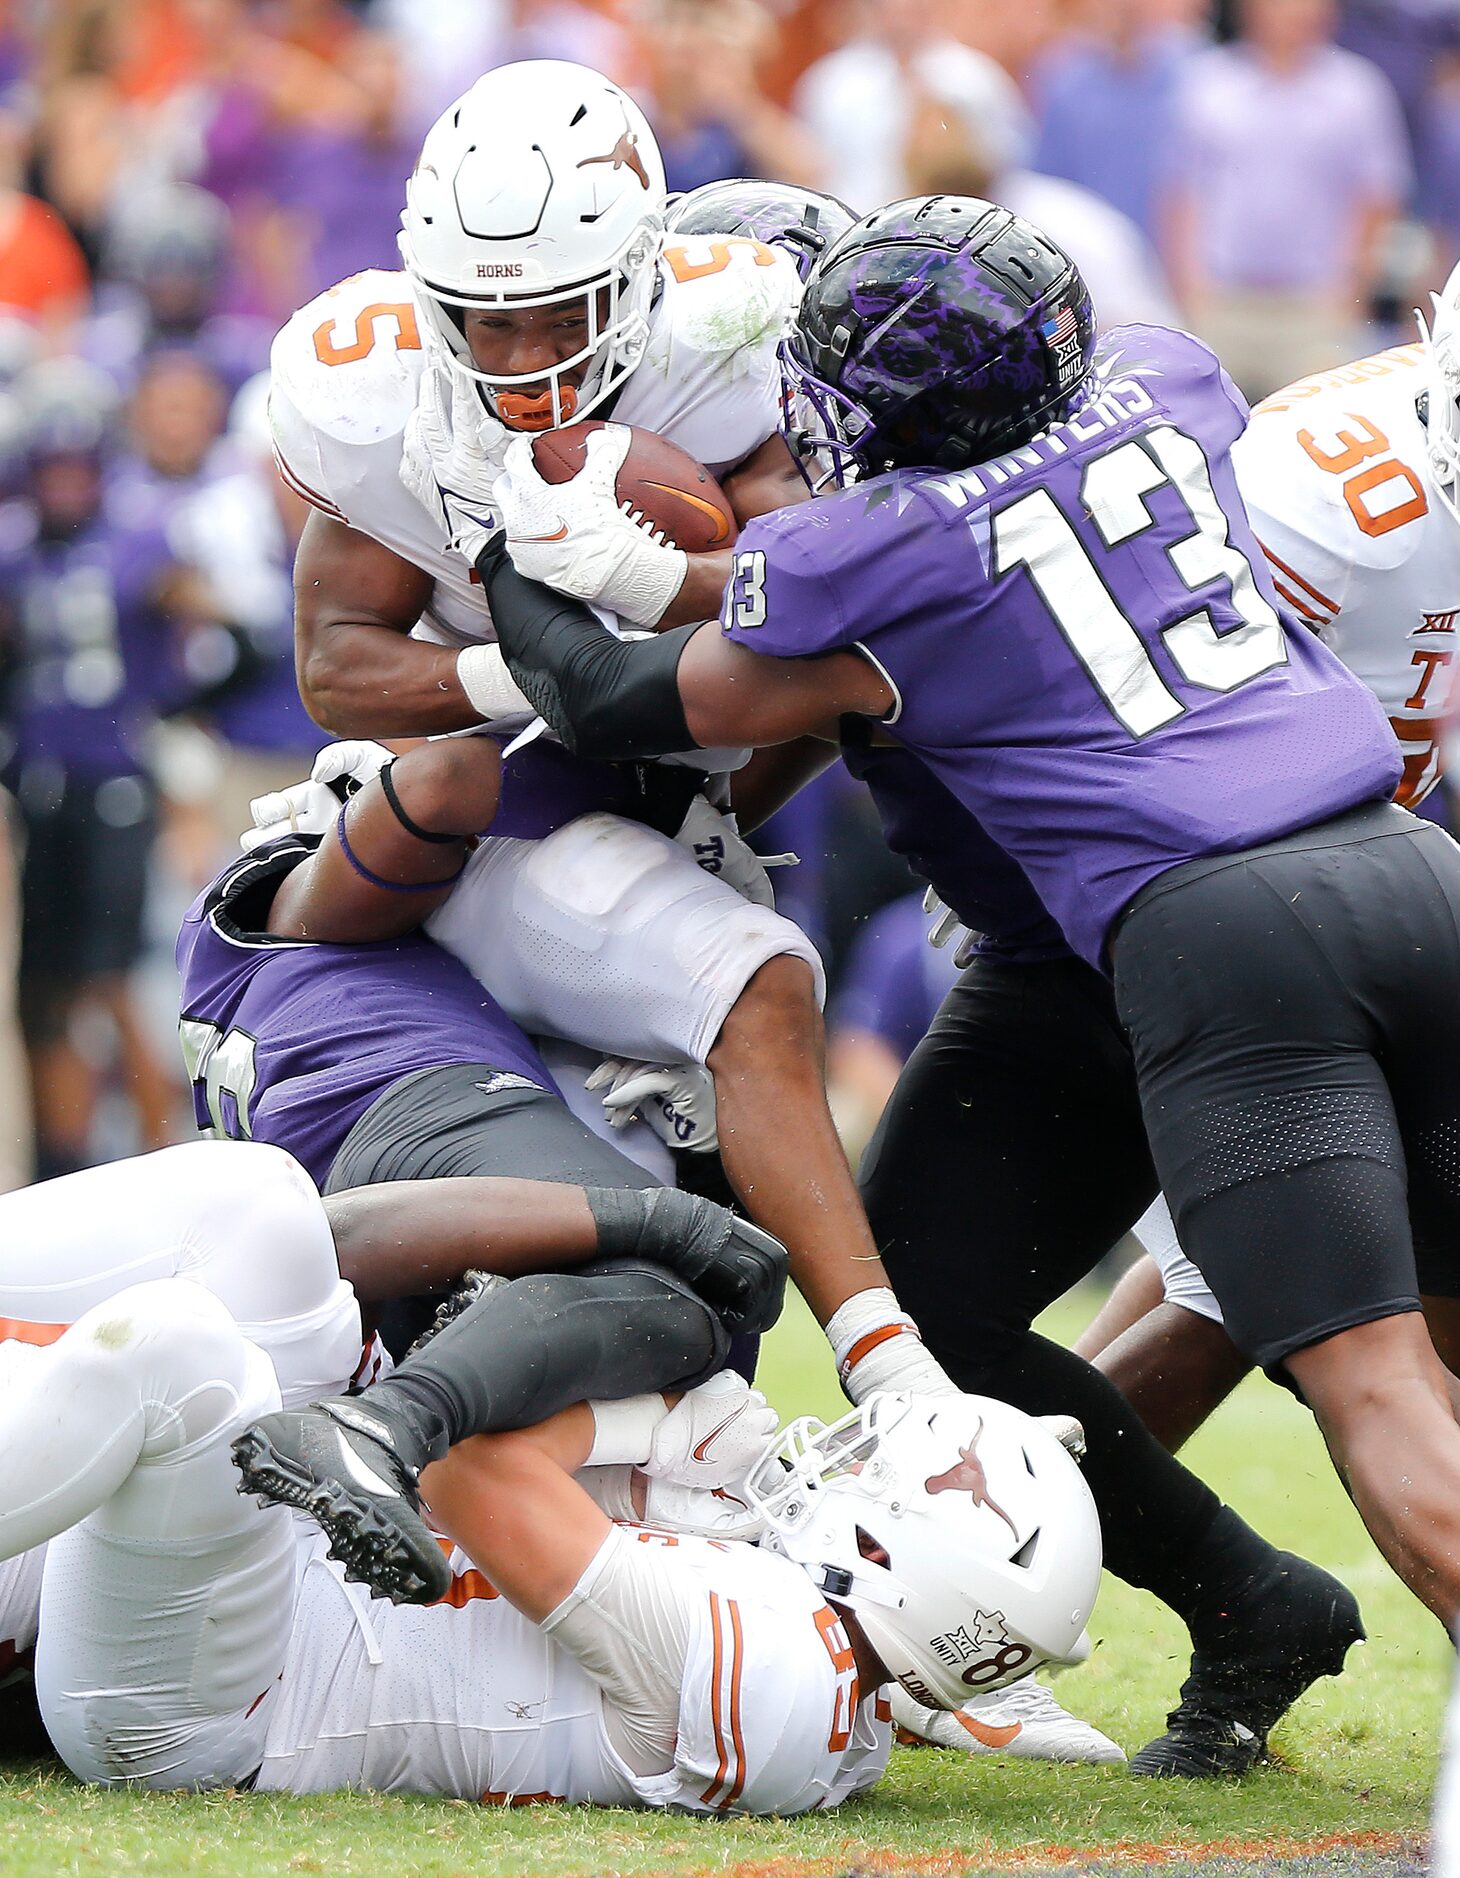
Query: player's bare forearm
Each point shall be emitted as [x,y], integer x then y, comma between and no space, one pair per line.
[510,1502]
[771,777]
[373,876]
[768,479]
[408,1236]
[360,673]
[703,592]
[362,680]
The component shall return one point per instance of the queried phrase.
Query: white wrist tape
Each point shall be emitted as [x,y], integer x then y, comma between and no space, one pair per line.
[623,1432]
[877,1346]
[489,686]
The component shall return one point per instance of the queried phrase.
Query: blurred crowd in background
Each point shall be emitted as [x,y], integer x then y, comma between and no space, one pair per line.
[176,176]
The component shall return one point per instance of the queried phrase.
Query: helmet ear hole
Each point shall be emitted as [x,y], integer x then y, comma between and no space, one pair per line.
[871,1550]
[1024,1557]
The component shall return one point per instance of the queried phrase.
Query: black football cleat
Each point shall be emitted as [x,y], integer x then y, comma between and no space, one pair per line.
[1294,1624]
[338,1462]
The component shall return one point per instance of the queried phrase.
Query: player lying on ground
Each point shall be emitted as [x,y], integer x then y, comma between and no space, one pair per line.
[190,1638]
[244,1222]
[394,398]
[1264,1624]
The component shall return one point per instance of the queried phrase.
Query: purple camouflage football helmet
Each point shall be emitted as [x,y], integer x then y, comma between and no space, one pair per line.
[938,332]
[805,222]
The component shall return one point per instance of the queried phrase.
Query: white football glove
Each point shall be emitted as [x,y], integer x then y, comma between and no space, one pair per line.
[720,849]
[576,537]
[677,1100]
[716,1513]
[310,807]
[443,461]
[949,926]
[713,1435]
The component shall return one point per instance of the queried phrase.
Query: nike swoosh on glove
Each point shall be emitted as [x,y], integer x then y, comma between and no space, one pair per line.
[576,538]
[713,1435]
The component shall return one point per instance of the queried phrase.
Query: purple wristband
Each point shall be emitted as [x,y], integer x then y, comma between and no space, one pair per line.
[388,886]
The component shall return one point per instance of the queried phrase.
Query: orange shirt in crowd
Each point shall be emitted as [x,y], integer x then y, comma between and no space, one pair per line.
[42,271]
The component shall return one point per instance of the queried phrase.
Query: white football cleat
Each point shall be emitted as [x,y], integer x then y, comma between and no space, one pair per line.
[1023,1720]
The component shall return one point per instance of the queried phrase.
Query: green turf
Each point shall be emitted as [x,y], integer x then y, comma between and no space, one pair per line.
[1359,1752]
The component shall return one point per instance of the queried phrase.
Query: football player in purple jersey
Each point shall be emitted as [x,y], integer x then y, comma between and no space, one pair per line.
[316,1018]
[1044,587]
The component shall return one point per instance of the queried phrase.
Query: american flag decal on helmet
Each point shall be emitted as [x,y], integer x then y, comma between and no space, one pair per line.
[1062,336]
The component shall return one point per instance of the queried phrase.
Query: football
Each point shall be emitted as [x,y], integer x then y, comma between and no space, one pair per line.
[658,480]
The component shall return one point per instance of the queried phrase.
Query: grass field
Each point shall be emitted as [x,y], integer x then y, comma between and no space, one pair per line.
[1358,1755]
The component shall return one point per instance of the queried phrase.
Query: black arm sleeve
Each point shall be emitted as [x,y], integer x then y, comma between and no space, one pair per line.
[605,699]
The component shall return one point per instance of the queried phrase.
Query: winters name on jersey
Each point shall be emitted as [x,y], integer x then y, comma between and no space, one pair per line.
[1120,401]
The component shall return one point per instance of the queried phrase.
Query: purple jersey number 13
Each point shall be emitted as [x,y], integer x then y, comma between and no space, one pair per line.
[1036,534]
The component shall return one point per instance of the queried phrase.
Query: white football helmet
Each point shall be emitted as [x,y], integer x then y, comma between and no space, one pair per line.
[1441,341]
[542,184]
[957,1530]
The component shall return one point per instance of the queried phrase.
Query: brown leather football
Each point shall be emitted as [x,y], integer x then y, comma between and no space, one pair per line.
[660,482]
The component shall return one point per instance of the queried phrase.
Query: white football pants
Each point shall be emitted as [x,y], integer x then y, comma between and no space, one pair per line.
[167,1596]
[609,934]
[239,1217]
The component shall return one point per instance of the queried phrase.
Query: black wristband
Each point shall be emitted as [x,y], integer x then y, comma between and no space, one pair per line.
[606,698]
[398,809]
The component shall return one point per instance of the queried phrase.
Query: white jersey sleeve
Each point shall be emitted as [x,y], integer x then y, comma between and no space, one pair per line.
[710,379]
[345,375]
[1334,472]
[771,1716]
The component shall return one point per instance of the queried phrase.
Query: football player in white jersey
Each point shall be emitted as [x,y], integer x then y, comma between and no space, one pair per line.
[945,1543]
[1352,481]
[243,1221]
[537,289]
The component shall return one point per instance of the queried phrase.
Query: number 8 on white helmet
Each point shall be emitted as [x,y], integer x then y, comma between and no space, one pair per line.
[957,1531]
[542,185]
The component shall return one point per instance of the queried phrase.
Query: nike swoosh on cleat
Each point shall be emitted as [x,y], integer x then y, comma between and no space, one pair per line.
[364,1476]
[986,1732]
[701,1449]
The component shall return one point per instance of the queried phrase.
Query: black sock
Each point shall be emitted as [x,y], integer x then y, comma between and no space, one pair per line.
[530,1348]
[1164,1529]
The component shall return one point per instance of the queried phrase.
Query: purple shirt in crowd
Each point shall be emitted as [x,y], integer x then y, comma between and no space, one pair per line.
[290,1042]
[93,661]
[894,981]
[1277,163]
[1104,117]
[1082,639]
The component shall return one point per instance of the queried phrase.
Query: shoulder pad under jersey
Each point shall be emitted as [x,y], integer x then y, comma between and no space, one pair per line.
[709,379]
[344,375]
[769,1698]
